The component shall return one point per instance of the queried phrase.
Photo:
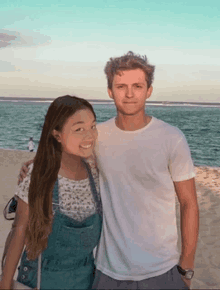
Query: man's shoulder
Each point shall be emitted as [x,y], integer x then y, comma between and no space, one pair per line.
[167,128]
[107,124]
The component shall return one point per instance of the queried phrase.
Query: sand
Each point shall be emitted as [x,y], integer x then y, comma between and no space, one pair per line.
[207,262]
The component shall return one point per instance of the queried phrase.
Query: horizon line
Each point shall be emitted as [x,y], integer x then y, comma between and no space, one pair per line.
[107,101]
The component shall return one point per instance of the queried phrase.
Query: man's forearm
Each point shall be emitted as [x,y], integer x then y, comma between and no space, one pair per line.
[189,219]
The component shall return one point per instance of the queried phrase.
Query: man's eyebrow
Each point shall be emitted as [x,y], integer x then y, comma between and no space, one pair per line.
[81,122]
[120,84]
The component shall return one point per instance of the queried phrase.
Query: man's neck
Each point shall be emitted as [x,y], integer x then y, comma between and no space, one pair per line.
[132,123]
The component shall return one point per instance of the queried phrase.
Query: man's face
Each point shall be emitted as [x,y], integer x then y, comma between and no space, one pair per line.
[129,91]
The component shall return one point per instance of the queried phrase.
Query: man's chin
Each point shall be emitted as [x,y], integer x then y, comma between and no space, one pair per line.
[129,112]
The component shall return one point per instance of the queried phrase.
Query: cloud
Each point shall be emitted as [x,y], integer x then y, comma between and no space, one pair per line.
[6,66]
[25,39]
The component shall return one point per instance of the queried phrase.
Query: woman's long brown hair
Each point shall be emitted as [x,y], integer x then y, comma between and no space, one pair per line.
[45,170]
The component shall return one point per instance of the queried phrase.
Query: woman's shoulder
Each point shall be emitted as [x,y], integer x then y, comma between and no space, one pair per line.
[92,161]
[94,169]
[23,187]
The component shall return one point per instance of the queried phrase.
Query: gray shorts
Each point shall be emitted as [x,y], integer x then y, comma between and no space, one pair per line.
[169,280]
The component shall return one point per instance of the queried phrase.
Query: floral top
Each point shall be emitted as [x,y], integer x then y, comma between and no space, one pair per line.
[75,196]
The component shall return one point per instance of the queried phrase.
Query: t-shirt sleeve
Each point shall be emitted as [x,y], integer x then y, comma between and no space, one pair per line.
[180,163]
[23,187]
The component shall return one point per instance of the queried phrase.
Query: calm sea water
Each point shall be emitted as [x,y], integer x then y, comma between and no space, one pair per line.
[20,121]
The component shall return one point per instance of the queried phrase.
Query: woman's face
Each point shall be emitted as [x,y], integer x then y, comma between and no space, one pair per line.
[78,134]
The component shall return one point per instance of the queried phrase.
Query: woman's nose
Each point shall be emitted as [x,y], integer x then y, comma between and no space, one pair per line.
[90,135]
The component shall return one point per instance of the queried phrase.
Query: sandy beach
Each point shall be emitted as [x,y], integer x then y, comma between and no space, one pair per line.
[207,263]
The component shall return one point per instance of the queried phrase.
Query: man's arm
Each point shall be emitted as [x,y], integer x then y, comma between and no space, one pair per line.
[24,170]
[189,221]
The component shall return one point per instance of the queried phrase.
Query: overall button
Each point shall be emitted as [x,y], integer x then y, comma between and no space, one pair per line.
[25,269]
[23,277]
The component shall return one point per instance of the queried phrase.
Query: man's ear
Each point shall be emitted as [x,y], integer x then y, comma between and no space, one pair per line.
[149,92]
[110,93]
[56,135]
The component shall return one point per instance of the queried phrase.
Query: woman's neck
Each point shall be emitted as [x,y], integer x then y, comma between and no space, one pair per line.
[72,167]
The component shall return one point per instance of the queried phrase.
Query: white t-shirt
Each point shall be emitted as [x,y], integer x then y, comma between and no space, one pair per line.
[137,170]
[31,145]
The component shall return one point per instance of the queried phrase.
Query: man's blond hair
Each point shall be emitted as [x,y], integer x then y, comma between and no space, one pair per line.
[129,61]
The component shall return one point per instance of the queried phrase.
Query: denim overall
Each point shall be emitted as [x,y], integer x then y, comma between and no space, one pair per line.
[67,262]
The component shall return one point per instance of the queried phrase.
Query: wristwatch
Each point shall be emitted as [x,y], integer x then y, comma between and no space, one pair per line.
[187,273]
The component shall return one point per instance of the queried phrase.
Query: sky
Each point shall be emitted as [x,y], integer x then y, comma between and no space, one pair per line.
[53,48]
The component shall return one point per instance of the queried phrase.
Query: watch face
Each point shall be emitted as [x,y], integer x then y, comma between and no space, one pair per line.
[189,274]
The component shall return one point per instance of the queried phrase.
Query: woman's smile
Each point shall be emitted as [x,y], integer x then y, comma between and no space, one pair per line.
[86,146]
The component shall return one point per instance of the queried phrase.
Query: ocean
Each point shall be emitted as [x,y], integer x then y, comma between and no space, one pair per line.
[200,123]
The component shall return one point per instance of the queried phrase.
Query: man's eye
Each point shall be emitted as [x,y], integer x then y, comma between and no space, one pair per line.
[120,87]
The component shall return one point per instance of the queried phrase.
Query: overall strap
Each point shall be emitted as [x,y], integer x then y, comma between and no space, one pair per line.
[93,188]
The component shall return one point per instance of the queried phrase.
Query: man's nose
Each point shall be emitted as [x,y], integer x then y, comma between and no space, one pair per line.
[129,92]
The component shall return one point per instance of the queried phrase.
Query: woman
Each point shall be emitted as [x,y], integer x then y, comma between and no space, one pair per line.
[58,213]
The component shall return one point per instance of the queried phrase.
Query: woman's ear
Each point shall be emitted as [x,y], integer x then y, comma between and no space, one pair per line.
[56,135]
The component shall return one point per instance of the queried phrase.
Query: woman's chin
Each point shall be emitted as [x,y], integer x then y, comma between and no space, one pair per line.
[87,153]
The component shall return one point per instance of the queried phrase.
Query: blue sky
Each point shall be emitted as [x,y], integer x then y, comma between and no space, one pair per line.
[50,48]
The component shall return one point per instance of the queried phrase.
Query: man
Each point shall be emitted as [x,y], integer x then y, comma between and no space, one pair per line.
[31,144]
[143,163]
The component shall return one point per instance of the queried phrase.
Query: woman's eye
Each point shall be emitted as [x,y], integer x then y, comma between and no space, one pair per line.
[79,129]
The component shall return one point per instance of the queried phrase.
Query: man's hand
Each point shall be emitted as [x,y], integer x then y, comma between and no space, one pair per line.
[24,171]
[187,282]
[186,266]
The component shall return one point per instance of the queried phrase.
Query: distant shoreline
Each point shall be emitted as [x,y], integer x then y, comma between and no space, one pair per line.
[16,99]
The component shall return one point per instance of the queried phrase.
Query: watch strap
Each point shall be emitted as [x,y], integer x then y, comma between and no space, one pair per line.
[181,270]
[188,273]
